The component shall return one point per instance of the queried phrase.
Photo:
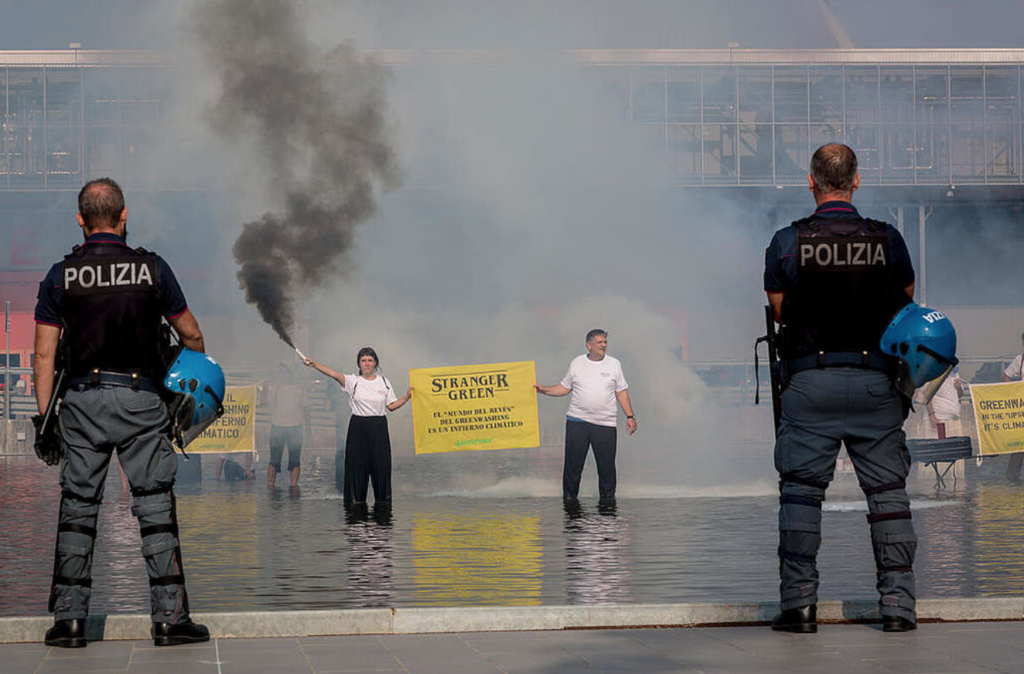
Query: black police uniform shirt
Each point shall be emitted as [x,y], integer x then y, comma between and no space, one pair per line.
[49,302]
[780,259]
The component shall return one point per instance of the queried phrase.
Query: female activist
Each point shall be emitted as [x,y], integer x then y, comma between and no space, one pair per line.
[368,445]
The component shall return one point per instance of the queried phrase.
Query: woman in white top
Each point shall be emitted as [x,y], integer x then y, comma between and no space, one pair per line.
[368,445]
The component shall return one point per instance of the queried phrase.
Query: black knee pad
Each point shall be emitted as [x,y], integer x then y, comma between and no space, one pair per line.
[76,537]
[158,525]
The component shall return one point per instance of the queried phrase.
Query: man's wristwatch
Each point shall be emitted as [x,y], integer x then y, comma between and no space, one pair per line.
[631,416]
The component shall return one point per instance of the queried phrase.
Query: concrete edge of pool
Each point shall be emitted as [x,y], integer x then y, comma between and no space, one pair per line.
[263,624]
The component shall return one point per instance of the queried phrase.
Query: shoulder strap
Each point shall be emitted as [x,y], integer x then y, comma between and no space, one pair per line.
[875,225]
[809,223]
[76,251]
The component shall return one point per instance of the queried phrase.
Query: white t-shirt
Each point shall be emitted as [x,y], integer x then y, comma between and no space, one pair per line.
[289,403]
[946,401]
[594,384]
[1013,370]
[369,397]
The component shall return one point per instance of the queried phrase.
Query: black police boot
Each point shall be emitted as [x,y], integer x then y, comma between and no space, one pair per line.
[66,634]
[803,620]
[188,632]
[895,623]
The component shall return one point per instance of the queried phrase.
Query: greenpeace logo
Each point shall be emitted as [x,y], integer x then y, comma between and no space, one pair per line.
[477,441]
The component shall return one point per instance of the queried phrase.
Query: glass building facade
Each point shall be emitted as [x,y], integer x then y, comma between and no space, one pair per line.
[937,124]
[724,118]
[926,124]
[63,121]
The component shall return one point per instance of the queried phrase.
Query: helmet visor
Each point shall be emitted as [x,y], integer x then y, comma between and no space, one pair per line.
[929,373]
[191,433]
[924,394]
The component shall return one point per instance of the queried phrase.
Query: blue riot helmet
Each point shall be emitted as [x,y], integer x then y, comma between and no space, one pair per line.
[924,341]
[197,383]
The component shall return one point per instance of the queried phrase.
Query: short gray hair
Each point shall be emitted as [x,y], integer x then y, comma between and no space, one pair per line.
[833,168]
[100,203]
[595,333]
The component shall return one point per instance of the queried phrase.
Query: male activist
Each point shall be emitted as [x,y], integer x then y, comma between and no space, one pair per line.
[1014,372]
[596,382]
[108,300]
[834,280]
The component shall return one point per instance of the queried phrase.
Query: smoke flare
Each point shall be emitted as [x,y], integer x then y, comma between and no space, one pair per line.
[318,125]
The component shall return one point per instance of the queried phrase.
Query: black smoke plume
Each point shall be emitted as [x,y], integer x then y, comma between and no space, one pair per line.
[317,126]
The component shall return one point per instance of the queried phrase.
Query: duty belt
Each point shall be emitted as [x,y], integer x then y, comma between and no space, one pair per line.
[869,360]
[134,381]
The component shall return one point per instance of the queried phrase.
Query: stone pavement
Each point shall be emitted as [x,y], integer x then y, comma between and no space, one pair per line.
[960,648]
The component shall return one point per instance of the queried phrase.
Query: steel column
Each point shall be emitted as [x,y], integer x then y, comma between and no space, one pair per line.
[922,217]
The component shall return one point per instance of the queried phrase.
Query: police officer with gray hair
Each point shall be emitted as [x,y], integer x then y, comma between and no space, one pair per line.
[108,300]
[834,281]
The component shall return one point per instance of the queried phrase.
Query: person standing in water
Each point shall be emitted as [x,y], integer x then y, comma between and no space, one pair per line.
[368,445]
[289,416]
[597,384]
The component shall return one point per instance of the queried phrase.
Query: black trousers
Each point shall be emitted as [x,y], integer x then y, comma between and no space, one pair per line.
[579,436]
[367,459]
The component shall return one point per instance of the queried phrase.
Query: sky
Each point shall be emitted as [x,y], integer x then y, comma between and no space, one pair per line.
[128,24]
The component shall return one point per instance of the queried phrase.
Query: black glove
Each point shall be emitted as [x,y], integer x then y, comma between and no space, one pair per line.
[47,445]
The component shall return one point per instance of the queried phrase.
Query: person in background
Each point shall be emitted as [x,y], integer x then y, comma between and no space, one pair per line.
[1015,372]
[232,470]
[597,383]
[289,414]
[944,408]
[368,444]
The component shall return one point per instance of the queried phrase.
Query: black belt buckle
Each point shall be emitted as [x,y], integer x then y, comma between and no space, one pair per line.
[94,377]
[134,380]
[822,359]
[865,359]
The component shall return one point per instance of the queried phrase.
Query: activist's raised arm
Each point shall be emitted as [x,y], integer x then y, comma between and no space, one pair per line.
[556,391]
[395,404]
[336,376]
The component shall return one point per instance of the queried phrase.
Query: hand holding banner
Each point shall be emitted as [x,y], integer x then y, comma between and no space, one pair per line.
[471,407]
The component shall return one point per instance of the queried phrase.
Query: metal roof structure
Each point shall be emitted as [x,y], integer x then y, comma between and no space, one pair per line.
[723,117]
[663,57]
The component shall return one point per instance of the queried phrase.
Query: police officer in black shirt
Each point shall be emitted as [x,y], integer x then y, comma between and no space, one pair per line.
[835,280]
[108,300]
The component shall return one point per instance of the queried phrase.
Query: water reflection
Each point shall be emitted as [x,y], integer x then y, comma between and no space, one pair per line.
[597,554]
[999,529]
[228,523]
[369,534]
[249,548]
[477,558]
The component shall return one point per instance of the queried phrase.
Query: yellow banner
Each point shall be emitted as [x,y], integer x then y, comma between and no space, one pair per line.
[999,416]
[470,407]
[236,430]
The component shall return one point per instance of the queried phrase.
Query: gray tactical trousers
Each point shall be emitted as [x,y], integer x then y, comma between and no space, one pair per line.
[861,408]
[93,423]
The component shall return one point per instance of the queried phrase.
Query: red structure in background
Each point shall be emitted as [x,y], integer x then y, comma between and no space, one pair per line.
[22,346]
[20,289]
